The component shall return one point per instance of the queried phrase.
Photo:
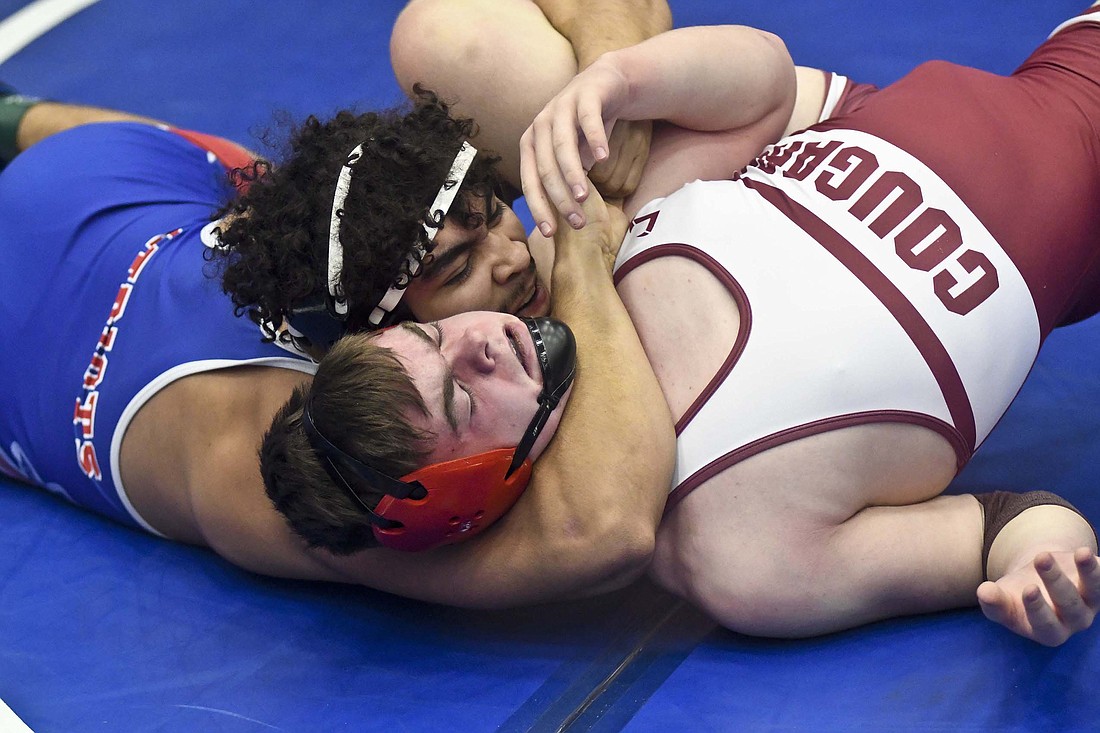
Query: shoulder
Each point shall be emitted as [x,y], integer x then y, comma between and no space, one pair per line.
[204,484]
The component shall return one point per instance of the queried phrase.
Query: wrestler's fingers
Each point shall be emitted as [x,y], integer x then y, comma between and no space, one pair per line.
[590,119]
[606,175]
[547,177]
[634,174]
[1046,628]
[567,152]
[994,602]
[611,175]
[633,155]
[1088,571]
[553,142]
[1064,595]
[541,210]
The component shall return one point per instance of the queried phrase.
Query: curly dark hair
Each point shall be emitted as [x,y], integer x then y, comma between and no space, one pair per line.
[274,250]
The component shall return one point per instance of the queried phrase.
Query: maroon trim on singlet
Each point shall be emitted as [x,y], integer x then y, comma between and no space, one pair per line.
[852,98]
[715,467]
[907,316]
[677,249]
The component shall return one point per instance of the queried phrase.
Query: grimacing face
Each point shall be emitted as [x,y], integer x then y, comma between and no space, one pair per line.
[479,376]
[488,268]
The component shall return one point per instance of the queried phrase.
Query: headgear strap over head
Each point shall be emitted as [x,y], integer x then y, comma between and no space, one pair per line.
[446,502]
[322,320]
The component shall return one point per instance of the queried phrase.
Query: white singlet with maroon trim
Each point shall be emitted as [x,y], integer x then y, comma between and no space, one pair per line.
[868,292]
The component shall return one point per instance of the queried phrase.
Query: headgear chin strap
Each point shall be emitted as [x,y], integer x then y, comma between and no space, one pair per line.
[322,319]
[556,349]
[454,500]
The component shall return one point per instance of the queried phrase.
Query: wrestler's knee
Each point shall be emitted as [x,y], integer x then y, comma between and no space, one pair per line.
[430,35]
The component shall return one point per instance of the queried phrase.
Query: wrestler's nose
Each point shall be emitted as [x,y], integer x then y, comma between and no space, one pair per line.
[511,258]
[475,353]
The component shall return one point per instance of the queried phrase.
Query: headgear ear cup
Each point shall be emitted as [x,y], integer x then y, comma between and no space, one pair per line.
[464,496]
[316,321]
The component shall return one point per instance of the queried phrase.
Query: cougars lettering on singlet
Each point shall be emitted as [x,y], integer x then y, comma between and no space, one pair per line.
[930,241]
[850,188]
[868,291]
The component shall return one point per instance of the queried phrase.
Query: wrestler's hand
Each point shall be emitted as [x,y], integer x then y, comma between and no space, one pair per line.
[628,150]
[566,139]
[1048,599]
[605,230]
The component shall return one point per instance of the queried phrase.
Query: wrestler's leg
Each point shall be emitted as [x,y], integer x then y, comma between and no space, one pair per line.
[498,61]
[45,118]
[49,118]
[1020,151]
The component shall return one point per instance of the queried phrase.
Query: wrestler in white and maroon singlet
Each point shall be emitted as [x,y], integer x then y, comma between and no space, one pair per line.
[901,261]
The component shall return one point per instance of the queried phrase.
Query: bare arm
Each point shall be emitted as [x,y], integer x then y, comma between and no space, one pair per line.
[594,28]
[707,78]
[1045,581]
[808,574]
[587,521]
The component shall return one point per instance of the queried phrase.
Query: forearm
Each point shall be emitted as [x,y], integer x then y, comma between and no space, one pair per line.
[806,578]
[708,78]
[594,28]
[891,561]
[599,491]
[617,437]
[453,46]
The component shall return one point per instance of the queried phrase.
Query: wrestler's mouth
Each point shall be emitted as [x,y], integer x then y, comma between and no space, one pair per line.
[535,303]
[518,347]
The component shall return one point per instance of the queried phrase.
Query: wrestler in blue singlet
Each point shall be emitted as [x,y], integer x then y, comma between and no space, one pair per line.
[106,297]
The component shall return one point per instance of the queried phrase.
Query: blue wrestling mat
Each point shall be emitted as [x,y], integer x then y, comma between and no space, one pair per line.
[106,629]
